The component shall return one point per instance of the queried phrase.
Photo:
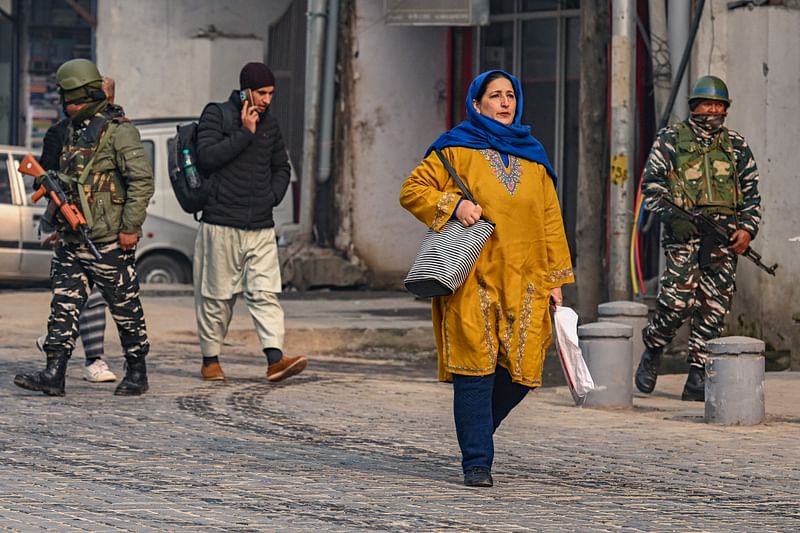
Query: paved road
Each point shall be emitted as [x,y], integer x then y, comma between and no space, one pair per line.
[368,444]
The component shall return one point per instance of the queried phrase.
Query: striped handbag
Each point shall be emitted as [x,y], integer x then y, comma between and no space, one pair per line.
[445,258]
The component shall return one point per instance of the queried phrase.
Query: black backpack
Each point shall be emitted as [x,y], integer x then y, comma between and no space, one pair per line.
[193,200]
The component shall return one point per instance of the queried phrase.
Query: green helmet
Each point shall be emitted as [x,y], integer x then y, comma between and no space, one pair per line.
[710,88]
[77,73]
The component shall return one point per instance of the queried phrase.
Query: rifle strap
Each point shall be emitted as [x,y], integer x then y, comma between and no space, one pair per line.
[85,207]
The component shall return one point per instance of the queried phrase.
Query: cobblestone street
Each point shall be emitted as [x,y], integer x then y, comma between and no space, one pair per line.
[368,444]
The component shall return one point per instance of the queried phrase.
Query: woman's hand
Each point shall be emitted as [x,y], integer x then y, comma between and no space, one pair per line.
[556,298]
[249,117]
[468,213]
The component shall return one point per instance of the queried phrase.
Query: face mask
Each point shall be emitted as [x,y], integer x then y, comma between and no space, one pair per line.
[88,111]
[709,123]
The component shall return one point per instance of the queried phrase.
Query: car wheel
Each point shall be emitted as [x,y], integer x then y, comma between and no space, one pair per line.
[161,268]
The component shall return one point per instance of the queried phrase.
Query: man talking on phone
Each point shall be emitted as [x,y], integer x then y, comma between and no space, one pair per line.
[236,250]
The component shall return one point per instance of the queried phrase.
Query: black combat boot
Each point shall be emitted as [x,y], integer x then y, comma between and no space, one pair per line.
[695,388]
[647,372]
[135,381]
[50,380]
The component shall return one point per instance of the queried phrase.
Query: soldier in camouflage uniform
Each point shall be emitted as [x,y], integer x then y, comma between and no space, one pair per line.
[103,171]
[703,166]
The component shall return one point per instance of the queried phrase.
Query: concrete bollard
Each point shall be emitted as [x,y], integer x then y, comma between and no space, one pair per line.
[735,381]
[606,347]
[633,314]
[794,358]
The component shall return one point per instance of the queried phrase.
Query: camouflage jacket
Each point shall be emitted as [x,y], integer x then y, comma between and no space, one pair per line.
[115,195]
[661,163]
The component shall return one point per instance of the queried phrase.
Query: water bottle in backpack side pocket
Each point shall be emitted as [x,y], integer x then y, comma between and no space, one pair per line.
[190,170]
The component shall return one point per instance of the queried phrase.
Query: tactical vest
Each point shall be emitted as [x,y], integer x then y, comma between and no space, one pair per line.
[82,173]
[705,177]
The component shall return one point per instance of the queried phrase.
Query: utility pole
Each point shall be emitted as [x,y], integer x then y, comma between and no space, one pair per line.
[592,156]
[678,35]
[659,56]
[315,50]
[661,59]
[623,39]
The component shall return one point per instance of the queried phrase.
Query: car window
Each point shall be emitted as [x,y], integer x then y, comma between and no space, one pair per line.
[150,153]
[5,184]
[28,180]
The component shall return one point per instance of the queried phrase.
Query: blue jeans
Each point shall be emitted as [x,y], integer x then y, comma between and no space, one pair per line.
[480,403]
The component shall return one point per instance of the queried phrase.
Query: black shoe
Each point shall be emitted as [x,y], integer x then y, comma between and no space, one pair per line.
[50,380]
[135,381]
[478,477]
[647,372]
[695,388]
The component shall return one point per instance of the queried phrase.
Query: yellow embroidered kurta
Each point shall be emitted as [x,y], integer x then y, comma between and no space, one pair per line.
[500,314]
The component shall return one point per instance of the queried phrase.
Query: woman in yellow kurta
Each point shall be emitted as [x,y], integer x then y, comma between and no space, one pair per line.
[493,332]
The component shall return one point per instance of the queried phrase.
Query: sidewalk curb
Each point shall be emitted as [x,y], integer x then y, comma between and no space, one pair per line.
[163,289]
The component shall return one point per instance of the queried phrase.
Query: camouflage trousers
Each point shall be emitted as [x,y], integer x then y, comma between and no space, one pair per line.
[73,272]
[687,291]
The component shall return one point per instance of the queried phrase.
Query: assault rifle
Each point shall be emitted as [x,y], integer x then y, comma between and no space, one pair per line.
[712,233]
[50,187]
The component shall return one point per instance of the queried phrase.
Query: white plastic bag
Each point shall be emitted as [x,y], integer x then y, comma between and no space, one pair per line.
[569,353]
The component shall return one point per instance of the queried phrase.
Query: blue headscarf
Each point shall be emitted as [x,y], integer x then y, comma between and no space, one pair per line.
[481,132]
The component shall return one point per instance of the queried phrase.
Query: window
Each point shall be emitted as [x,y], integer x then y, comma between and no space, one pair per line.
[150,153]
[497,47]
[549,5]
[5,184]
[537,41]
[8,77]
[502,6]
[26,179]
[539,78]
[57,32]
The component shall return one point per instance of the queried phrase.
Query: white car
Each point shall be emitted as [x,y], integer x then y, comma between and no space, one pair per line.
[164,254]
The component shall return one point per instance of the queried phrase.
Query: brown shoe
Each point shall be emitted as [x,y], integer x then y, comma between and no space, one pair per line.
[286,367]
[212,372]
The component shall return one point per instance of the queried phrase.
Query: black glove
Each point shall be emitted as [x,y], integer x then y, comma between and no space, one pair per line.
[682,227]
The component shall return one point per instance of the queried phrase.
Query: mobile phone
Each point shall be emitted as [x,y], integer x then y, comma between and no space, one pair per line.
[247,95]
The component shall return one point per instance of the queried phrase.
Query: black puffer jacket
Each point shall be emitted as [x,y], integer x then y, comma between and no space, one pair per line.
[249,172]
[53,143]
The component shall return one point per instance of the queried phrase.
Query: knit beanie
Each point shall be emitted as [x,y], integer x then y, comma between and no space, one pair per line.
[255,76]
